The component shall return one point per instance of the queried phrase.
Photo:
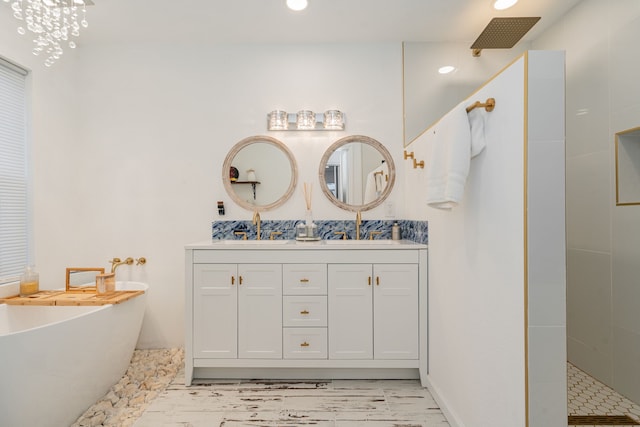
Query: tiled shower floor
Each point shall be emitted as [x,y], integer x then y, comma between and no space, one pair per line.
[587,396]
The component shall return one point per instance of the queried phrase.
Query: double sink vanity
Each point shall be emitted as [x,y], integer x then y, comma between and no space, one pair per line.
[261,308]
[285,309]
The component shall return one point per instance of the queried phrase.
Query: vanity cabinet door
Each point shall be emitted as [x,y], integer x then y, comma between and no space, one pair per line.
[350,311]
[395,308]
[215,317]
[260,311]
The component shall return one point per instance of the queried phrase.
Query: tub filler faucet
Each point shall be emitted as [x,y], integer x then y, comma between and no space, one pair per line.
[116,262]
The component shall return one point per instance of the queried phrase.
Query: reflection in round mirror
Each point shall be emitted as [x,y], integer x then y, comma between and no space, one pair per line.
[259,173]
[357,173]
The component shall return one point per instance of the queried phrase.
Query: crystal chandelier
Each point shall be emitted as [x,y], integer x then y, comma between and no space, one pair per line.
[54,22]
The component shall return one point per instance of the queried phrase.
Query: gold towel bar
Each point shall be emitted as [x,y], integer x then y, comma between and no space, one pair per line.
[488,106]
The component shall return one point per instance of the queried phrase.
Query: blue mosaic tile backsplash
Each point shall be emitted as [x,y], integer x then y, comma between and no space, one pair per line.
[416,231]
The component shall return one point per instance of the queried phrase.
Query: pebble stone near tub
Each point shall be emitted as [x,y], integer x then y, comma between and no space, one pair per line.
[149,373]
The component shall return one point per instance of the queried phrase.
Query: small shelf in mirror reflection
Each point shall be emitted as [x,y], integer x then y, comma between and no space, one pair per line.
[252,183]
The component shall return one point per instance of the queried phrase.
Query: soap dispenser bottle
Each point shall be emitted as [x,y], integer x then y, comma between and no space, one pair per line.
[395,232]
[29,282]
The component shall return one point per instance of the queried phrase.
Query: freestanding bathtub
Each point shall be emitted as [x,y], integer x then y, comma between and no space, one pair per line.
[56,361]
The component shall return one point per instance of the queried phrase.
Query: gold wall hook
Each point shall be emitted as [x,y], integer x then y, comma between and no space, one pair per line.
[408,155]
[418,164]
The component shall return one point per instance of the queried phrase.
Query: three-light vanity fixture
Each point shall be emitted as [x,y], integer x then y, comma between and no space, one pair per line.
[305,120]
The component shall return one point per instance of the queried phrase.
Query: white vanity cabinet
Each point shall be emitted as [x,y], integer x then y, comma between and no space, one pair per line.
[306,310]
[237,310]
[373,311]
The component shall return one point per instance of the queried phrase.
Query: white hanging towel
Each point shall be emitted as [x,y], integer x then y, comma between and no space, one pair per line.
[376,183]
[476,122]
[450,159]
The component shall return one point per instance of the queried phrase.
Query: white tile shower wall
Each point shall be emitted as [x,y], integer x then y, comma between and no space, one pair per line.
[546,248]
[603,97]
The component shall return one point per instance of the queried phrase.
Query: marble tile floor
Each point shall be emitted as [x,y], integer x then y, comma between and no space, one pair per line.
[588,396]
[336,403]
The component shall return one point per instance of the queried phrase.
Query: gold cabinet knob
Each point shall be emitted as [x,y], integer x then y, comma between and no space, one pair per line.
[304,344]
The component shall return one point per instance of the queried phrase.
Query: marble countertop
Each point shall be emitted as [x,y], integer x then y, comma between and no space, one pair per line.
[305,245]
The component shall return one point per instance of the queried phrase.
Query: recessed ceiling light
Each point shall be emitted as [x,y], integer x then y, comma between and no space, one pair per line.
[297,4]
[446,69]
[504,4]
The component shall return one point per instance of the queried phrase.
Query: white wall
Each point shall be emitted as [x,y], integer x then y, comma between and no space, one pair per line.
[484,267]
[139,175]
[429,95]
[603,97]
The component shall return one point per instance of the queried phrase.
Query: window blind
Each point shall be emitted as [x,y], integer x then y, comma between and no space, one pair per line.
[14,237]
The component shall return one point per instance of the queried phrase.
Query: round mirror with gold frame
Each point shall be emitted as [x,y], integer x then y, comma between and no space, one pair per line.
[357,173]
[259,173]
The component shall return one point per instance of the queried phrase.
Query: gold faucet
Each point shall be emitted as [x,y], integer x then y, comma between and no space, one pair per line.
[373,233]
[116,262]
[358,223]
[273,234]
[343,233]
[256,222]
[241,233]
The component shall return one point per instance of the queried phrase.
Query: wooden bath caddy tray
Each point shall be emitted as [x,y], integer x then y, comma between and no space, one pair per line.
[71,298]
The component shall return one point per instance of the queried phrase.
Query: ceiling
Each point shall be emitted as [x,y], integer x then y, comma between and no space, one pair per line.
[324,21]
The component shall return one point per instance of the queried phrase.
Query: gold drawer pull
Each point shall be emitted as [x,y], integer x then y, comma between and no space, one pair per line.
[304,344]
[377,280]
[369,279]
[233,280]
[304,312]
[240,280]
[304,280]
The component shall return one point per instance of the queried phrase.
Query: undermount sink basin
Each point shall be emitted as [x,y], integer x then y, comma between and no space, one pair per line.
[361,242]
[254,242]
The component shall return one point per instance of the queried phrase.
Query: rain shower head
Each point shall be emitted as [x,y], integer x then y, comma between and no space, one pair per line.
[503,33]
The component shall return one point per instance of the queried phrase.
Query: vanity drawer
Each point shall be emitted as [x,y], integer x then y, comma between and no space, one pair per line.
[304,279]
[304,343]
[304,311]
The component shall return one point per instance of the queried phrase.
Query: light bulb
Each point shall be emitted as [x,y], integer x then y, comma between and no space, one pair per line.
[504,4]
[446,69]
[297,4]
